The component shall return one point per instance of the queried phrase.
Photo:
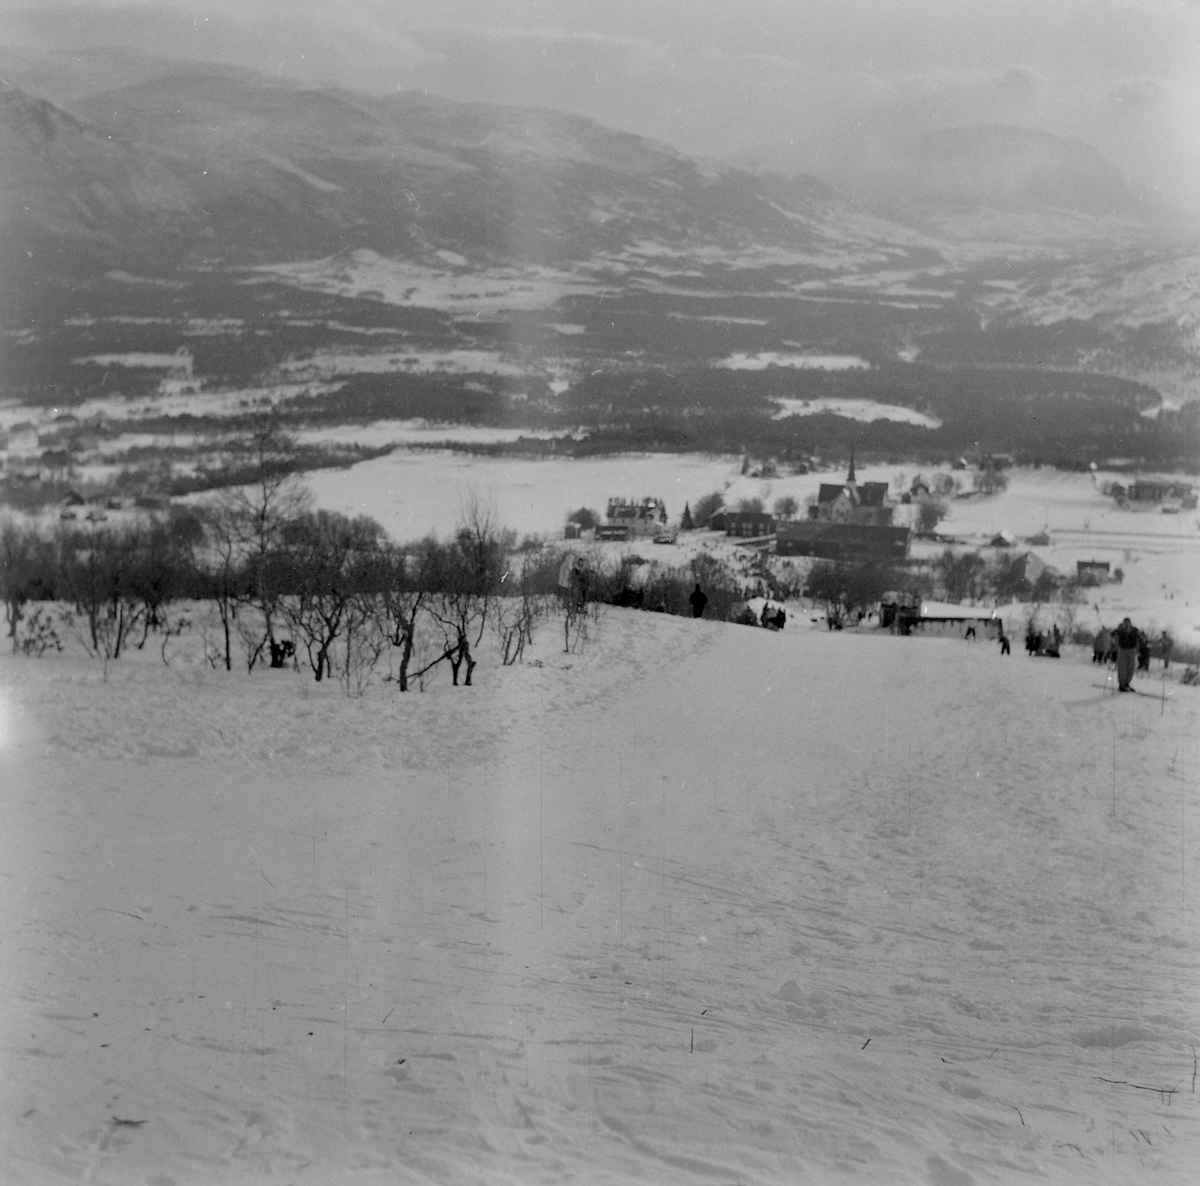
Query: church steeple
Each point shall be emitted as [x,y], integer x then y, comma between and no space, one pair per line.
[850,480]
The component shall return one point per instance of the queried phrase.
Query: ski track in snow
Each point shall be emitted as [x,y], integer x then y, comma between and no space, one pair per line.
[629,916]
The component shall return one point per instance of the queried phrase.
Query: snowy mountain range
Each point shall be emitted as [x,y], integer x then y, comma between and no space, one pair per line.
[251,171]
[958,248]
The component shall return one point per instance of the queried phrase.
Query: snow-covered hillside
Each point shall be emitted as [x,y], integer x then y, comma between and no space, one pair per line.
[699,903]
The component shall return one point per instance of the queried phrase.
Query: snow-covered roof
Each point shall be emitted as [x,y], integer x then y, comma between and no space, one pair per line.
[947,609]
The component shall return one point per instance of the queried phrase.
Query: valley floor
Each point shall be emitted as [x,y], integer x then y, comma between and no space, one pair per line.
[698,903]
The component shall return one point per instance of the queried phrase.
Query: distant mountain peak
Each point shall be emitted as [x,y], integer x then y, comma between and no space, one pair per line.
[944,176]
[35,120]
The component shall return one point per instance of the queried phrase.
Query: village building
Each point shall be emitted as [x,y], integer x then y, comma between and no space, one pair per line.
[748,524]
[646,517]
[865,504]
[1156,492]
[1093,572]
[842,541]
[939,619]
[1028,569]
[614,532]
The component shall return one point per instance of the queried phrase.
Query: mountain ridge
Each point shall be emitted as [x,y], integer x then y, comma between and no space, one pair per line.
[277,171]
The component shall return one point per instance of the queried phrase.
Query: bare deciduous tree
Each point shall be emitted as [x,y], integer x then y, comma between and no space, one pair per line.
[26,572]
[518,611]
[405,591]
[256,515]
[96,568]
[325,559]
[468,583]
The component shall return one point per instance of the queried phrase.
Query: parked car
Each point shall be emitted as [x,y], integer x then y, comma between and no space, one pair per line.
[666,537]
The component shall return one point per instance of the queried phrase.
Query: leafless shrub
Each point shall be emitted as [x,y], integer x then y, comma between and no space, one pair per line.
[38,633]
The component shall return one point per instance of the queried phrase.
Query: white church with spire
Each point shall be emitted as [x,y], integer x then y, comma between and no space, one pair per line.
[865,503]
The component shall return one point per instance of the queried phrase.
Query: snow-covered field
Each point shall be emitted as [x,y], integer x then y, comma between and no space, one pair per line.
[698,903]
[856,409]
[456,287]
[413,493]
[775,358]
[329,364]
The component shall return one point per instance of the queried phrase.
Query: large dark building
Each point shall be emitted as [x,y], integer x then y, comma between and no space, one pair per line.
[748,524]
[841,541]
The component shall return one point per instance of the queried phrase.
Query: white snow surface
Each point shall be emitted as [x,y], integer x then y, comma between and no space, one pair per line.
[742,361]
[856,409]
[415,492]
[696,904]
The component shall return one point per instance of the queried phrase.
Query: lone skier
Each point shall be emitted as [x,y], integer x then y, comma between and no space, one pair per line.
[1126,637]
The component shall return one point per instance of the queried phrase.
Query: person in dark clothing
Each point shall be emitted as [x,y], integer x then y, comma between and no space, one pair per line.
[1143,650]
[1126,637]
[1005,647]
[1053,643]
[698,601]
[780,618]
[1168,644]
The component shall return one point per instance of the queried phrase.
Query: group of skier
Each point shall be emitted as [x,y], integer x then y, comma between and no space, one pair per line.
[772,619]
[1126,646]
[1106,646]
[1038,642]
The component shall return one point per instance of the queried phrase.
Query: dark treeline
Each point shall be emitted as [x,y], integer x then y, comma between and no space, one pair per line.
[460,399]
[1054,417]
[1040,415]
[152,313]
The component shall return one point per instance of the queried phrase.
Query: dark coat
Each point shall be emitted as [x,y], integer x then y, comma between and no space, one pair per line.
[1126,636]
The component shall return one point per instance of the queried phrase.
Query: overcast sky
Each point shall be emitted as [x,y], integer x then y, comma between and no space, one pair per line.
[817,84]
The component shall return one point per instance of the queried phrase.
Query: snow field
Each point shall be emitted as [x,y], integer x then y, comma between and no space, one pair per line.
[629,915]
